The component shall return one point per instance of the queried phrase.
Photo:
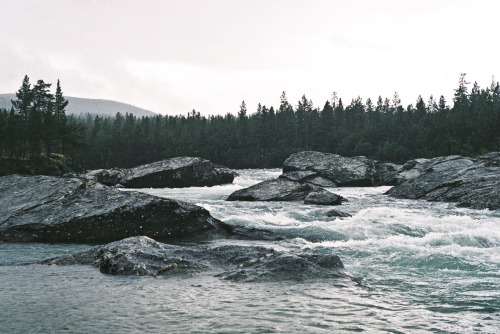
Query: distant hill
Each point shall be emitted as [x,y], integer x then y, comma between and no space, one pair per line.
[78,105]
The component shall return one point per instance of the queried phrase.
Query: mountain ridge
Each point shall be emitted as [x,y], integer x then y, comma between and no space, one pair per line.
[80,105]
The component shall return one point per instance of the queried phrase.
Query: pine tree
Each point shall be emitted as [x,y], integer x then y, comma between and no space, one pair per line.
[23,106]
[60,104]
[41,120]
[243,130]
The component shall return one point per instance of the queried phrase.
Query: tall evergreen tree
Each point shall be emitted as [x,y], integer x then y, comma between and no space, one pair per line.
[41,120]
[23,106]
[60,104]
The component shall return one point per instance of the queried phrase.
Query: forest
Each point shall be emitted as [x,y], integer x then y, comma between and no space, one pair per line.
[381,129]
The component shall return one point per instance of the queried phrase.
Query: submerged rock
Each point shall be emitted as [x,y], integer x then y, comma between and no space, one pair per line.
[336,213]
[177,172]
[52,209]
[470,182]
[282,189]
[146,257]
[327,169]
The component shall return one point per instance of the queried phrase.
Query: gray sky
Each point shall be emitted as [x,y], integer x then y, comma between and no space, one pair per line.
[174,56]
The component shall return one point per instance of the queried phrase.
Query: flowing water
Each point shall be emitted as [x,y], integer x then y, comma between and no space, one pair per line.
[415,267]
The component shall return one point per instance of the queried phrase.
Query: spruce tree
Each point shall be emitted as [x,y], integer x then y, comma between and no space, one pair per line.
[40,122]
[60,104]
[23,106]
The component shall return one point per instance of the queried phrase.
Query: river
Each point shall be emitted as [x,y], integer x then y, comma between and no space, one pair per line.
[414,267]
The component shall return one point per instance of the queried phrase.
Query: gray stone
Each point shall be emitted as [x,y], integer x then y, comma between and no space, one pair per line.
[146,257]
[336,213]
[342,171]
[177,172]
[53,209]
[469,182]
[323,197]
[282,189]
[308,177]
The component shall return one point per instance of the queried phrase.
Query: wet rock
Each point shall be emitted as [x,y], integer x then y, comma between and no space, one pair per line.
[323,197]
[282,189]
[308,177]
[336,213]
[469,182]
[52,209]
[341,171]
[415,168]
[146,257]
[177,172]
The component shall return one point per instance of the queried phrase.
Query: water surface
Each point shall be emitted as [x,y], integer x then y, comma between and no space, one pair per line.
[416,267]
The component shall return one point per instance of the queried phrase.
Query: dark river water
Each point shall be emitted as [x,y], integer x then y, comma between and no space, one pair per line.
[415,267]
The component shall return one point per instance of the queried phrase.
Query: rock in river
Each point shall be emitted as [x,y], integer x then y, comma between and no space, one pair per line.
[327,169]
[146,257]
[283,189]
[53,209]
[470,182]
[177,172]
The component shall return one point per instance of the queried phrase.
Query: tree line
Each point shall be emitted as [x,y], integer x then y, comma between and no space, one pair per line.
[36,123]
[381,129]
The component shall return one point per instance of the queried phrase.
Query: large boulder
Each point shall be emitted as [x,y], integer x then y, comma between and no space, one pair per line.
[52,209]
[146,257]
[177,172]
[327,169]
[286,190]
[470,182]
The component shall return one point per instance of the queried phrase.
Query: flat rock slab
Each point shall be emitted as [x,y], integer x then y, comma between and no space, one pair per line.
[146,257]
[282,189]
[473,183]
[177,172]
[327,169]
[53,209]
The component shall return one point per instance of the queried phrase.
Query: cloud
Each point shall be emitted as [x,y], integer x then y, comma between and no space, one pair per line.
[173,56]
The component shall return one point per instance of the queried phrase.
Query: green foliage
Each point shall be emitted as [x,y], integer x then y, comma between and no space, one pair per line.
[54,164]
[37,122]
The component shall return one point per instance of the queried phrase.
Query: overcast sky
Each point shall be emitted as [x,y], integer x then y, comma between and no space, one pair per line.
[174,56]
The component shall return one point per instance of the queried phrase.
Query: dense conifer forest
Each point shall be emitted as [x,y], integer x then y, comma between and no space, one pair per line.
[381,129]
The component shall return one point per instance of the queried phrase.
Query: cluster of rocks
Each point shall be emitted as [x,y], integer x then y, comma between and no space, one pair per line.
[85,210]
[91,209]
[146,257]
[306,174]
[469,182]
